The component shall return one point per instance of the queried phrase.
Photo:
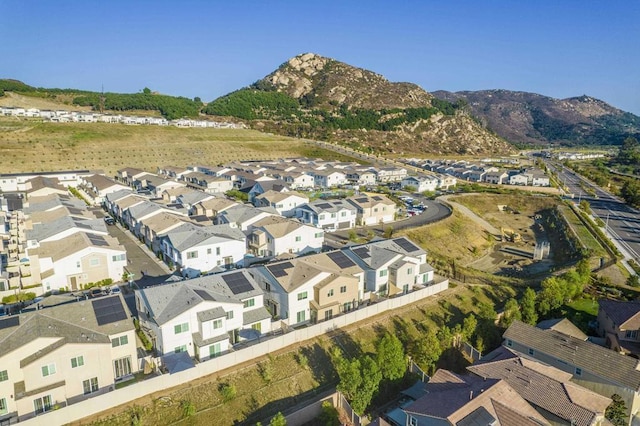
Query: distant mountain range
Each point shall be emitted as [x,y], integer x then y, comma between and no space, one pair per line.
[531,119]
[317,97]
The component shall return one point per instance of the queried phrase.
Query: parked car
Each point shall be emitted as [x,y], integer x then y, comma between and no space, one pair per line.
[115,290]
[96,292]
[109,220]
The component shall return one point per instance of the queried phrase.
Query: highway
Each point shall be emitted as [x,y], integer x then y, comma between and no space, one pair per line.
[622,222]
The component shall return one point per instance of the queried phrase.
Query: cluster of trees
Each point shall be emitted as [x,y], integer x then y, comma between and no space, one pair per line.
[629,152]
[261,102]
[555,292]
[360,377]
[251,104]
[170,107]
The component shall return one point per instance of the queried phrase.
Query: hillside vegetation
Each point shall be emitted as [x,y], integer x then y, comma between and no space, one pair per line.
[321,98]
[531,119]
[171,107]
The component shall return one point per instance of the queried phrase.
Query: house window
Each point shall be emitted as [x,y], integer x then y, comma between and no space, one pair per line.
[119,341]
[229,315]
[384,273]
[217,324]
[122,367]
[302,296]
[343,214]
[77,361]
[181,328]
[215,350]
[409,271]
[182,348]
[78,264]
[90,386]
[405,288]
[119,257]
[346,307]
[318,234]
[333,215]
[343,289]
[578,371]
[413,421]
[375,210]
[48,370]
[257,326]
[298,239]
[3,407]
[328,314]
[330,293]
[321,217]
[209,250]
[531,351]
[4,376]
[300,316]
[192,255]
[631,334]
[249,303]
[94,262]
[41,405]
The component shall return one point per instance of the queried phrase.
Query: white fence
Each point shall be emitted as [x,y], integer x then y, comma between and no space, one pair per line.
[128,394]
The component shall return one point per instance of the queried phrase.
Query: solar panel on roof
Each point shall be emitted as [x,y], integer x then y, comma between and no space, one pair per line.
[237,282]
[97,240]
[323,206]
[340,259]
[204,295]
[362,252]
[109,310]
[362,200]
[406,245]
[9,322]
[279,270]
[377,198]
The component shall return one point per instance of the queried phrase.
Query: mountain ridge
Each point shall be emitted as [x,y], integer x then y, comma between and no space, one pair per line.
[532,119]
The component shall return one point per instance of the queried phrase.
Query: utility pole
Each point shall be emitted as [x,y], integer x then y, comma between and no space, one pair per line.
[102,100]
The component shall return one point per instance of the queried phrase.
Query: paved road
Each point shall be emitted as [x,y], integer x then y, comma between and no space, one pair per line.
[140,258]
[622,222]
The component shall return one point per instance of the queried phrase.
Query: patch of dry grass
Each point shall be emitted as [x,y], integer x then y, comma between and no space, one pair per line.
[30,145]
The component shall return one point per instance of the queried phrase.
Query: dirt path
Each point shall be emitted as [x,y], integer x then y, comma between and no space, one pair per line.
[471,215]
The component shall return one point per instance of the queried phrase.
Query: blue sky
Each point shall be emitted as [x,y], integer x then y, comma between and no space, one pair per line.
[209,48]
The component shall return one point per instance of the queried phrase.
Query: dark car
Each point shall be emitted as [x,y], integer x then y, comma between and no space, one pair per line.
[96,292]
[109,220]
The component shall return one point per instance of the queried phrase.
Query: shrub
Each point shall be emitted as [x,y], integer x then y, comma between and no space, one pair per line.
[228,391]
[188,409]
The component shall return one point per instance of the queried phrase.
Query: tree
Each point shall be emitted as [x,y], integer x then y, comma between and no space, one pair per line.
[511,313]
[371,377]
[616,412]
[528,307]
[469,325]
[329,415]
[551,296]
[350,377]
[426,351]
[146,91]
[390,357]
[629,152]
[278,420]
[630,191]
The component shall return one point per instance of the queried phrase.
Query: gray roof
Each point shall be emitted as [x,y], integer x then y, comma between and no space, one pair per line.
[255,315]
[330,206]
[200,342]
[242,213]
[72,322]
[40,204]
[597,360]
[142,209]
[42,231]
[566,400]
[379,253]
[211,314]
[189,235]
[167,301]
[115,196]
[192,197]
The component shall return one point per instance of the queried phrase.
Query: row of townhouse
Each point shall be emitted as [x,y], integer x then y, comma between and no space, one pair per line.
[330,215]
[208,315]
[198,233]
[299,173]
[65,116]
[464,170]
[22,182]
[58,355]
[55,241]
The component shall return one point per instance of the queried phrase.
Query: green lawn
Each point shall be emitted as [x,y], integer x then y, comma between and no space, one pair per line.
[581,312]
